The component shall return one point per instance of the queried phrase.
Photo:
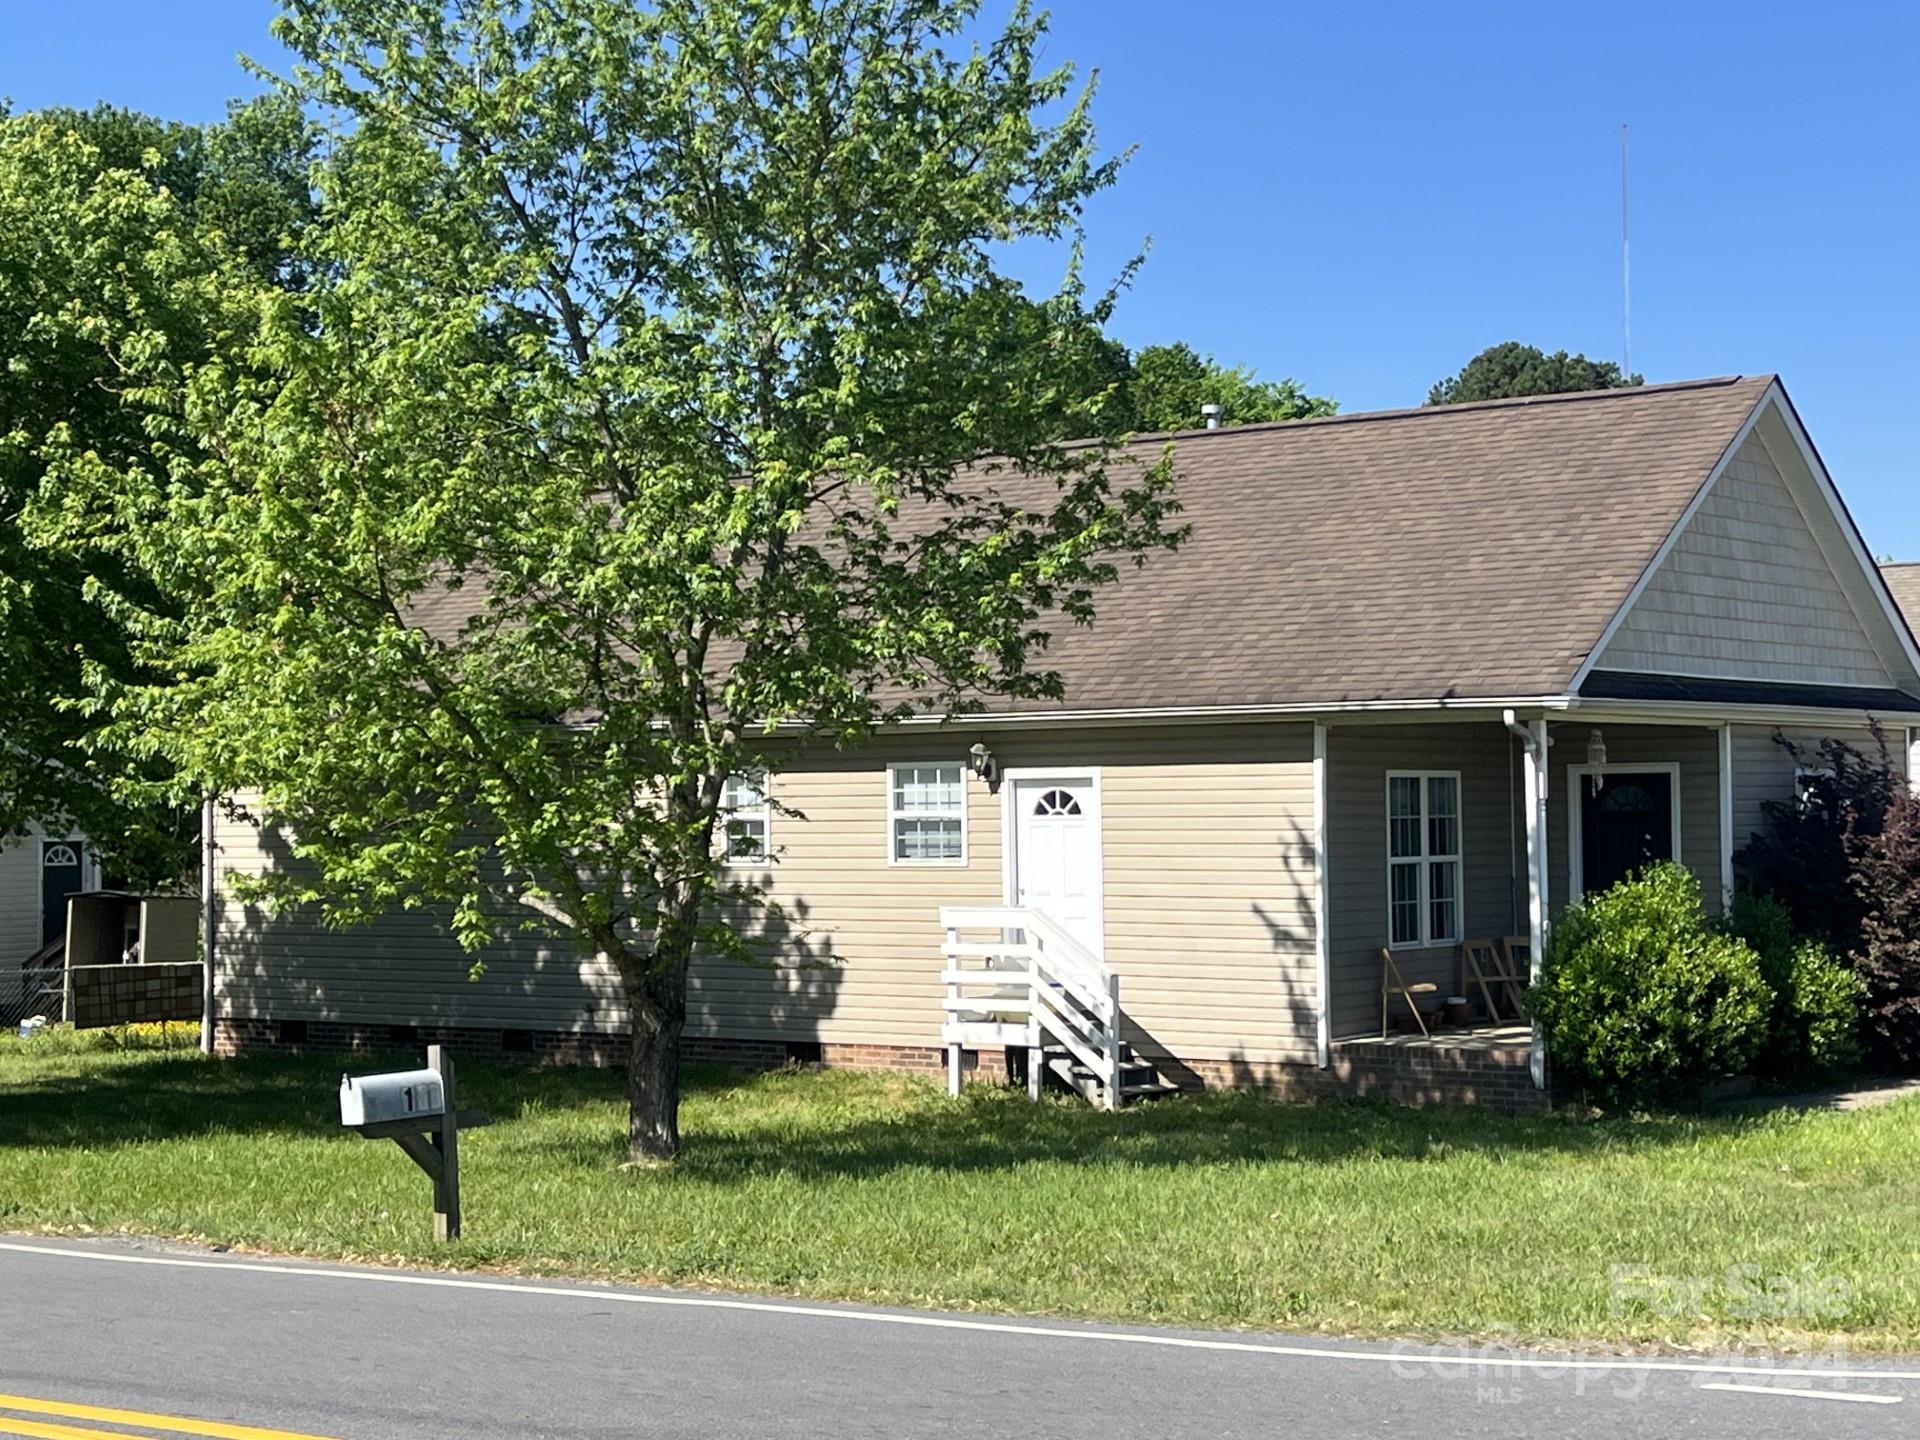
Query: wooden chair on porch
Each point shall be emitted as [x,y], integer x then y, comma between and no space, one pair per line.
[1392,984]
[1492,970]
[1518,951]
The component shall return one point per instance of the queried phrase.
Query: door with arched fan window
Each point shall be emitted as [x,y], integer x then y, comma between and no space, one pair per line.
[1056,851]
[62,876]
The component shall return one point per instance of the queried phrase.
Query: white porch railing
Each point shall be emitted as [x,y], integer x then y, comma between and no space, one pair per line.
[1015,978]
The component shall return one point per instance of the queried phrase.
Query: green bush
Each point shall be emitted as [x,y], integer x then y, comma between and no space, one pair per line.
[1823,1004]
[1818,1001]
[1641,995]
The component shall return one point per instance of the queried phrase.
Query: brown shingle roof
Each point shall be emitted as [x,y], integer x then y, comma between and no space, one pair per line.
[1458,551]
[1451,552]
[1904,581]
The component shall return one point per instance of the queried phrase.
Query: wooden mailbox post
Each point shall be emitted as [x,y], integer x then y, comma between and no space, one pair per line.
[418,1111]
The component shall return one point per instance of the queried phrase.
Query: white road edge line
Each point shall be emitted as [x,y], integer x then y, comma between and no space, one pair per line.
[1464,1360]
[1853,1395]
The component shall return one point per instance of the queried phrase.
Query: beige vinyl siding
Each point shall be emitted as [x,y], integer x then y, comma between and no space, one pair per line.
[1493,869]
[19,917]
[1695,750]
[1747,593]
[405,969]
[1763,769]
[19,900]
[1209,882]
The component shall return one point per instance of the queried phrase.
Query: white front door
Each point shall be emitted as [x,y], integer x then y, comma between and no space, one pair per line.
[1056,852]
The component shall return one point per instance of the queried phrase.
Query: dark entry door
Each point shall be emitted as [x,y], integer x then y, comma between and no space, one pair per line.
[1626,827]
[60,872]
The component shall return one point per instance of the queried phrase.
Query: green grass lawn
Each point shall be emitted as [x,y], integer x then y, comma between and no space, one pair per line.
[1222,1209]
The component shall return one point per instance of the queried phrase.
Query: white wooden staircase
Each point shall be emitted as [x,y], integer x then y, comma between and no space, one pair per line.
[1015,979]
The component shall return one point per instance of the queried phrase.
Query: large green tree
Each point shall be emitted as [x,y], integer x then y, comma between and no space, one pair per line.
[1511,370]
[663,345]
[113,227]
[1166,386]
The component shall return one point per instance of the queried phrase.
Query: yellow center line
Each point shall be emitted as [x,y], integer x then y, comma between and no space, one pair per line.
[175,1424]
[35,1430]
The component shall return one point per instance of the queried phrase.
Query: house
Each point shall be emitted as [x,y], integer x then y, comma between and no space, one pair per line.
[38,873]
[1419,678]
[1904,582]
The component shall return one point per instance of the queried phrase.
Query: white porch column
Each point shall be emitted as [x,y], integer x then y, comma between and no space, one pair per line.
[1913,759]
[1322,889]
[1539,888]
[1726,819]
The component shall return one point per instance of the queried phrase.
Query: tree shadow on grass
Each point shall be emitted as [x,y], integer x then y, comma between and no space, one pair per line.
[997,1130]
[804,1131]
[119,1099]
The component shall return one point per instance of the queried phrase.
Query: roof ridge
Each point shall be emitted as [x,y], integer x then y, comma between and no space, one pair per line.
[1514,402]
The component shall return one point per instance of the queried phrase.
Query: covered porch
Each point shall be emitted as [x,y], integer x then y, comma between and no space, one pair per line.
[1475,830]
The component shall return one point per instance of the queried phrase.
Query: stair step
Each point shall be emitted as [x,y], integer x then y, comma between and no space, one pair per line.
[1138,1080]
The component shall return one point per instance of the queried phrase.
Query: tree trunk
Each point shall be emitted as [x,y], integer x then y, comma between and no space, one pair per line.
[653,1092]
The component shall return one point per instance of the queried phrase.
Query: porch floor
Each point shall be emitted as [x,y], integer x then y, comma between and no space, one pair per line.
[1477,1038]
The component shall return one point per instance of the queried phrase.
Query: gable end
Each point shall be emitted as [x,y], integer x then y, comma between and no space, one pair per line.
[1754,584]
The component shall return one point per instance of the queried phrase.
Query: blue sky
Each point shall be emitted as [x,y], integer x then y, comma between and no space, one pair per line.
[1361,195]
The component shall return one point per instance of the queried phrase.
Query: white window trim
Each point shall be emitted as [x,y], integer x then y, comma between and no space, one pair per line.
[1578,797]
[1011,783]
[1804,773]
[1458,859]
[764,814]
[893,815]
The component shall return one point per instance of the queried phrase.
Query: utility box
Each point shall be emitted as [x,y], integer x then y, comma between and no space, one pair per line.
[401,1095]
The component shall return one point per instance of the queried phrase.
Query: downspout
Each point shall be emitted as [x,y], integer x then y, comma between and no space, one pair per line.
[1322,903]
[207,917]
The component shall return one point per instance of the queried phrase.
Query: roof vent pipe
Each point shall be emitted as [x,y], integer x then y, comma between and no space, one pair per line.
[1211,414]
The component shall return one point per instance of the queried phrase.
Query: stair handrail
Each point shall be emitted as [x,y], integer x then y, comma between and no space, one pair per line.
[1054,959]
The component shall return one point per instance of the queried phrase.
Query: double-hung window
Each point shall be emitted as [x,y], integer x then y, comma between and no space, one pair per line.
[927,814]
[1423,858]
[747,817]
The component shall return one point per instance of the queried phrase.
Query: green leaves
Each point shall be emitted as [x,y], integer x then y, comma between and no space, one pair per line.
[127,250]
[631,430]
[1511,370]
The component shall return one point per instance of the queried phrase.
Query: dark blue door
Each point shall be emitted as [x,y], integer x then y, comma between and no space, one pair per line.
[60,871]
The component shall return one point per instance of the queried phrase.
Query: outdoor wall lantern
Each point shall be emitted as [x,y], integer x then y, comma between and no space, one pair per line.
[1597,759]
[980,760]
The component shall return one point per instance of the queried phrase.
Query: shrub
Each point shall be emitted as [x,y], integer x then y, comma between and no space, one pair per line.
[1804,858]
[1641,995]
[1886,874]
[1814,1022]
[1817,1015]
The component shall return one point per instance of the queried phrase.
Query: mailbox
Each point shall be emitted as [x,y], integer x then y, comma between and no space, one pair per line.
[402,1095]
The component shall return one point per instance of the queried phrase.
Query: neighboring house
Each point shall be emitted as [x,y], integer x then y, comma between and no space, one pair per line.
[1419,677]
[1904,581]
[38,872]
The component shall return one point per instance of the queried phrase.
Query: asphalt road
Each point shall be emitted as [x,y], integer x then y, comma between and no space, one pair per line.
[116,1338]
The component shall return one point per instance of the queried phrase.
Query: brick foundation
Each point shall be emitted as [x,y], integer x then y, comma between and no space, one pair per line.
[1496,1077]
[560,1047]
